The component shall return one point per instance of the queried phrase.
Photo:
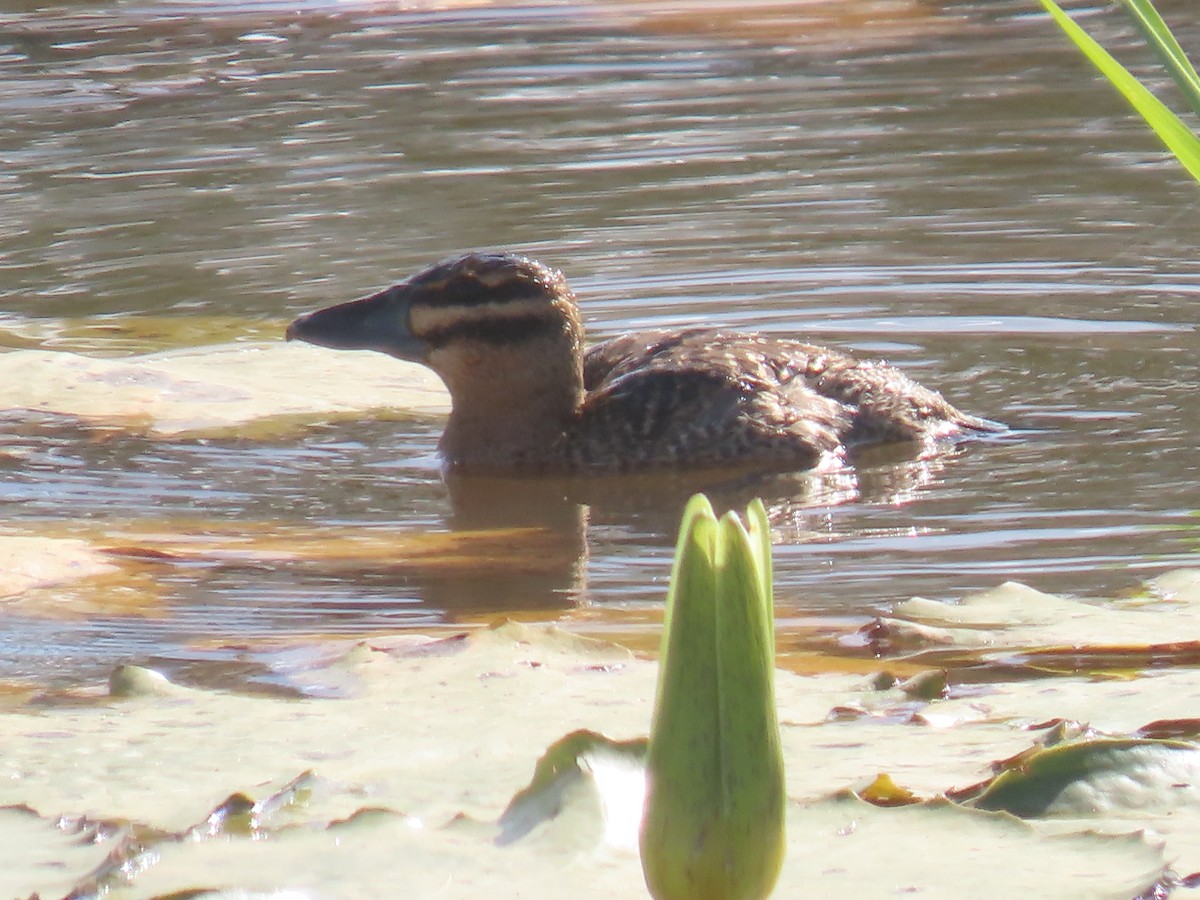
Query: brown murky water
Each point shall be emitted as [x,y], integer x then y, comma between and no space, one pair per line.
[944,185]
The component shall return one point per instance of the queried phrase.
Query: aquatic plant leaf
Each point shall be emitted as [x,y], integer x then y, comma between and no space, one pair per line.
[1170,129]
[347,549]
[495,699]
[30,561]
[840,846]
[1170,728]
[40,855]
[1159,37]
[1098,777]
[70,578]
[615,769]
[1161,626]
[216,390]
[113,335]
[883,791]
[822,26]
[413,770]
[1182,585]
[845,847]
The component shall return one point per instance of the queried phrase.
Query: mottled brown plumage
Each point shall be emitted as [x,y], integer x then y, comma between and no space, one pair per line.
[504,334]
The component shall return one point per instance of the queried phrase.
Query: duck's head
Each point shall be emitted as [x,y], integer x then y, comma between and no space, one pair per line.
[496,299]
[502,331]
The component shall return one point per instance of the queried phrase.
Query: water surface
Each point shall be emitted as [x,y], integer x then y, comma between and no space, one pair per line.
[948,187]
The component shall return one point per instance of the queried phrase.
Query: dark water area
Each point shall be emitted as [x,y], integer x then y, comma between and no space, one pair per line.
[944,185]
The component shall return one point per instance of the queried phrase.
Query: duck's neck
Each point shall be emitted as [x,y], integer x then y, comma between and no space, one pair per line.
[509,408]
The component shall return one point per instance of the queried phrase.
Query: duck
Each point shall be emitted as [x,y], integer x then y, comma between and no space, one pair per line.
[505,335]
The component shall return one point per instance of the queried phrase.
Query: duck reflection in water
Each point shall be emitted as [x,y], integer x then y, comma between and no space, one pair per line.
[536,423]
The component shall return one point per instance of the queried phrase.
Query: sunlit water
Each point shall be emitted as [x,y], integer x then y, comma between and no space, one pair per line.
[949,188]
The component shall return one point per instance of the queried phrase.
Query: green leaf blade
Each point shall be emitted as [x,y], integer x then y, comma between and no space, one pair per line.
[1169,128]
[1160,38]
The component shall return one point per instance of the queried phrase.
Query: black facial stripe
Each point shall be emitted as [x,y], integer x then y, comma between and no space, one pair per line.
[470,292]
[498,330]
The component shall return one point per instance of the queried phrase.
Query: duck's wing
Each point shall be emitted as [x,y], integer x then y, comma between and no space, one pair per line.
[760,397]
[612,358]
[700,397]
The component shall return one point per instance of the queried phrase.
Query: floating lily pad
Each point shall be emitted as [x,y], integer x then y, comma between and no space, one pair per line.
[414,770]
[1095,777]
[1015,627]
[213,390]
[123,334]
[842,847]
[28,562]
[43,855]
[50,577]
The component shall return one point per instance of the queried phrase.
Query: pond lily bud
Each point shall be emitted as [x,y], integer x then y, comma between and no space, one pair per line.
[713,826]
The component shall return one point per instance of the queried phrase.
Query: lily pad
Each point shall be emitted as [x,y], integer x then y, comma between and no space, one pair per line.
[414,769]
[1014,614]
[43,855]
[1014,627]
[1094,777]
[28,562]
[123,334]
[217,389]
[49,577]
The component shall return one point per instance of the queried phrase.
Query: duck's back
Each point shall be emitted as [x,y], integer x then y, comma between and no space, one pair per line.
[702,397]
